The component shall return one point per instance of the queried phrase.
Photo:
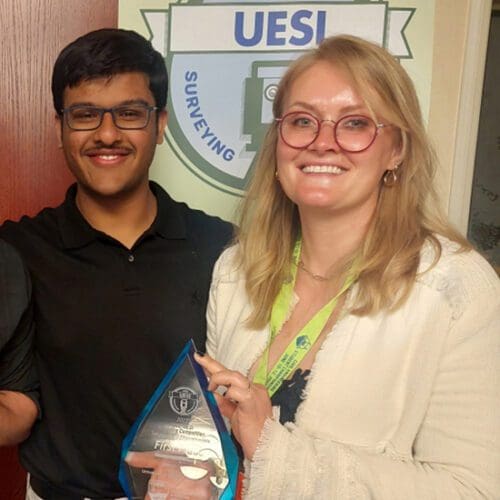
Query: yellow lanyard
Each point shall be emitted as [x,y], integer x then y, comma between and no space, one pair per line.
[304,340]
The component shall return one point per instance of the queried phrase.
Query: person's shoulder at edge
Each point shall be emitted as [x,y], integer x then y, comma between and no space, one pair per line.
[13,268]
[15,283]
[463,276]
[9,257]
[15,294]
[19,386]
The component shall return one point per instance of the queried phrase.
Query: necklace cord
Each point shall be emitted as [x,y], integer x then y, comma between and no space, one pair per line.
[314,276]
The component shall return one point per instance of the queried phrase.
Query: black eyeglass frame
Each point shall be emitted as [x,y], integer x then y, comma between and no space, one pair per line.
[65,112]
[319,122]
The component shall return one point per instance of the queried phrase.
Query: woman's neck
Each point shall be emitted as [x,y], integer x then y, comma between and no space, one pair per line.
[328,242]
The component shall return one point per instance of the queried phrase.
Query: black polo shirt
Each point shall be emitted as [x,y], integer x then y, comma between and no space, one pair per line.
[17,371]
[109,323]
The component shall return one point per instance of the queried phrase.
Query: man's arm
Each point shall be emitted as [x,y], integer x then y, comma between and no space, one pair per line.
[17,414]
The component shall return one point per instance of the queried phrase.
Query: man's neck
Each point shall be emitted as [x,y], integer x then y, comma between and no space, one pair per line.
[124,218]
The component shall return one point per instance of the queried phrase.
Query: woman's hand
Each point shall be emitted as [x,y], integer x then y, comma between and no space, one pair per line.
[246,405]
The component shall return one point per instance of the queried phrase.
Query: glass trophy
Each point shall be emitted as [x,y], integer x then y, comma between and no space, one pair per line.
[180,442]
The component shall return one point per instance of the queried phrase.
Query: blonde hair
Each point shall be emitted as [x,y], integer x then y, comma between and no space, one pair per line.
[407,213]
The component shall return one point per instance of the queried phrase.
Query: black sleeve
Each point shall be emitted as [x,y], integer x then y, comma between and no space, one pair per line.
[17,370]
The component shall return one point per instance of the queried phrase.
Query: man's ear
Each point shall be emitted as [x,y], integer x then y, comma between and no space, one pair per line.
[161,125]
[58,125]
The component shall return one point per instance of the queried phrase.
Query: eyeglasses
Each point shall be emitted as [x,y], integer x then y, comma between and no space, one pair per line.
[353,133]
[129,117]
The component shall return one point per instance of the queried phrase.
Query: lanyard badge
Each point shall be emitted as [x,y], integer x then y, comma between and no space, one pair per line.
[304,340]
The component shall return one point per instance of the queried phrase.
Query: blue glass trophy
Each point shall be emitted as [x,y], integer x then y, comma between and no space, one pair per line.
[179,447]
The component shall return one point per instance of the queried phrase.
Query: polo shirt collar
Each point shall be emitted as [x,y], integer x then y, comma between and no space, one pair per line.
[77,232]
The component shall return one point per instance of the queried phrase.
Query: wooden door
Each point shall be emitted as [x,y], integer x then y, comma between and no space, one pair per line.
[32,170]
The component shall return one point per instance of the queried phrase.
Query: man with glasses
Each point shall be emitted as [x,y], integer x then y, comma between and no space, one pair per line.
[120,271]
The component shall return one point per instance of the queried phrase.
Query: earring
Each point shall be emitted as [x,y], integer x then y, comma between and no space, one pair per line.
[276,175]
[390,177]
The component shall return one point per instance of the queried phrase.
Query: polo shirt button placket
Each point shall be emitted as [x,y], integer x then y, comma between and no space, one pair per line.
[131,258]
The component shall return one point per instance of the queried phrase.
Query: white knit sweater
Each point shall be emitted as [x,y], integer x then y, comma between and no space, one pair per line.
[399,406]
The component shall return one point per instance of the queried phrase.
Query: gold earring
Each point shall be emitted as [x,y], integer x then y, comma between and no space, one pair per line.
[390,177]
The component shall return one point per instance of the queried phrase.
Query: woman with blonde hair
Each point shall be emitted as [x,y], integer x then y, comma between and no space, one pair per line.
[357,333]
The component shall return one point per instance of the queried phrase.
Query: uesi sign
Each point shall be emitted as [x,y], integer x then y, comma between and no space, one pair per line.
[225,60]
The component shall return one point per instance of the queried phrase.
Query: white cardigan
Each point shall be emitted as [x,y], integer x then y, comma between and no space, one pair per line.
[399,406]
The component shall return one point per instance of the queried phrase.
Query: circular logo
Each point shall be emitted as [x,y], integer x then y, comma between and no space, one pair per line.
[303,342]
[183,401]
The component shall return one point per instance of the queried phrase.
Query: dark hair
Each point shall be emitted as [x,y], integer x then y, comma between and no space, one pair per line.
[108,52]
